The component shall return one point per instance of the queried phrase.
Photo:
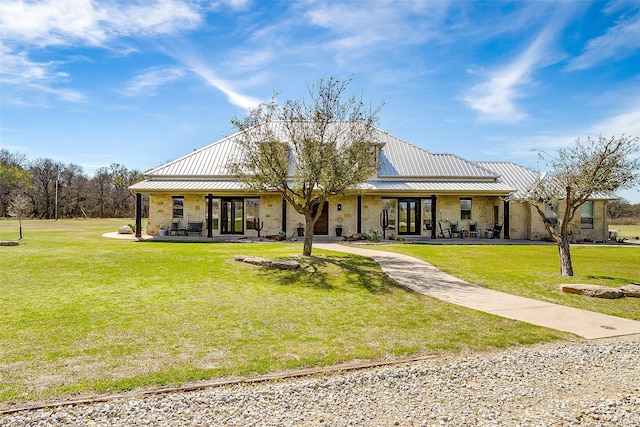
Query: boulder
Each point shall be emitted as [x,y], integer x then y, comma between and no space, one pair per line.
[285,265]
[595,291]
[125,229]
[631,291]
[263,262]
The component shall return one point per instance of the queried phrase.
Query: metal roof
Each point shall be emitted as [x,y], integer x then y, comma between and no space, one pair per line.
[404,168]
[213,185]
[187,185]
[518,177]
[398,159]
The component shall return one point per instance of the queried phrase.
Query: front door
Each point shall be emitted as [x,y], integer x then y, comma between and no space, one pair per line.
[408,216]
[322,224]
[232,216]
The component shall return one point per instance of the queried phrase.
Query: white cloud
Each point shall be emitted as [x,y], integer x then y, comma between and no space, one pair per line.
[495,98]
[380,24]
[147,82]
[209,76]
[87,22]
[619,41]
[61,23]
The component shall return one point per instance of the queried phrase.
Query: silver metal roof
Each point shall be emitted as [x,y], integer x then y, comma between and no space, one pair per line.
[518,177]
[398,158]
[404,167]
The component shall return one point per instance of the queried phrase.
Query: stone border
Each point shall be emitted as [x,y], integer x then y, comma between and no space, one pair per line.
[264,262]
[599,291]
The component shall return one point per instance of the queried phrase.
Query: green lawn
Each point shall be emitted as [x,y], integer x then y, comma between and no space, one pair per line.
[85,314]
[533,271]
[631,232]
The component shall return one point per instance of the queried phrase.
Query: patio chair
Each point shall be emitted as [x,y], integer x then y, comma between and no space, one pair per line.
[444,232]
[454,228]
[194,227]
[493,233]
[175,227]
[473,229]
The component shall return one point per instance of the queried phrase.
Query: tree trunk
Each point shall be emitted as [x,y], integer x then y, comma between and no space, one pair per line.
[566,267]
[308,234]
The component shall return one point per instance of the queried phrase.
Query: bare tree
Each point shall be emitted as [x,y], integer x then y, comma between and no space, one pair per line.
[20,206]
[308,150]
[598,168]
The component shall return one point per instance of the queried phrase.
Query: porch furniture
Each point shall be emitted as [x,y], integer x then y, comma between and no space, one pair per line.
[444,232]
[473,229]
[427,224]
[454,228]
[493,233]
[175,228]
[193,227]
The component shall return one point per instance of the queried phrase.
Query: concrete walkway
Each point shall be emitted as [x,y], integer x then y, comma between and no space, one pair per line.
[424,278]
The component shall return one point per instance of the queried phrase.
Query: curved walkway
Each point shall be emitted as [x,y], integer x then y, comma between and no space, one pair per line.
[424,278]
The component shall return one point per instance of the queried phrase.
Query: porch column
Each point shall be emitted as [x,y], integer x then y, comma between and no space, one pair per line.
[210,215]
[434,211]
[284,215]
[359,223]
[138,215]
[506,220]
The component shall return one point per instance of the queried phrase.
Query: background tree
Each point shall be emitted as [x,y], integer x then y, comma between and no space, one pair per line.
[308,150]
[598,168]
[20,206]
[13,177]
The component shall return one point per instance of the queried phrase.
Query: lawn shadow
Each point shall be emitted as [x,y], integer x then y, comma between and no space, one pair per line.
[617,280]
[322,271]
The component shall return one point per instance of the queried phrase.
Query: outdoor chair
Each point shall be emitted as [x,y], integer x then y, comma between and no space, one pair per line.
[473,229]
[175,228]
[494,233]
[444,232]
[194,227]
[454,228]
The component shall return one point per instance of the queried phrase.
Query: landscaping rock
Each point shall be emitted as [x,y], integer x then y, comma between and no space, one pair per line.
[285,265]
[632,291]
[125,229]
[595,291]
[263,262]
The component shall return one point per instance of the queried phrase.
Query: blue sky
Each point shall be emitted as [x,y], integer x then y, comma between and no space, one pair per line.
[144,82]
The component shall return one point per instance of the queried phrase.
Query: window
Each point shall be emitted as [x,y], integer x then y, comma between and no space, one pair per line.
[426,214]
[252,211]
[465,208]
[390,206]
[586,215]
[550,213]
[178,206]
[215,208]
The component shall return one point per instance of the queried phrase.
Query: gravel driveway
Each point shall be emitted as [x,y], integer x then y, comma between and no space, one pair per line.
[586,383]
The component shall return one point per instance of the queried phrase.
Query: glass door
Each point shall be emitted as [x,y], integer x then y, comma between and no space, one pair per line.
[232,216]
[409,216]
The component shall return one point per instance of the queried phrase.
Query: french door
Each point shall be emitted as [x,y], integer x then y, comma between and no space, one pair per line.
[232,216]
[408,216]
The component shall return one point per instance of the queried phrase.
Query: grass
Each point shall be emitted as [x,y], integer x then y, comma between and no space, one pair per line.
[533,271]
[631,232]
[82,314]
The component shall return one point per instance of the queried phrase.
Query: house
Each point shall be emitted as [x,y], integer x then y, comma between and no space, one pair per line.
[422,192]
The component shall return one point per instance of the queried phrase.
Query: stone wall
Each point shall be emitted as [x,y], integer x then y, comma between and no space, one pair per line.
[524,221]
